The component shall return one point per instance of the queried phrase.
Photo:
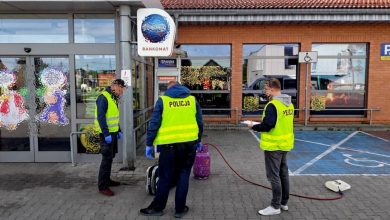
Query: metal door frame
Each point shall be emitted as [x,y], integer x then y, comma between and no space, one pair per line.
[34,155]
[22,156]
[59,50]
[46,156]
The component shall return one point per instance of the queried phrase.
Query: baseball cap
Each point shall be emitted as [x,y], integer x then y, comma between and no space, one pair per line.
[119,82]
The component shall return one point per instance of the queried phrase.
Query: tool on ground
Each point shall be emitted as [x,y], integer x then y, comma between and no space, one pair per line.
[337,185]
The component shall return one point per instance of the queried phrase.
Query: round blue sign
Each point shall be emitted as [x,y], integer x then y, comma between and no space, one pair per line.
[155,28]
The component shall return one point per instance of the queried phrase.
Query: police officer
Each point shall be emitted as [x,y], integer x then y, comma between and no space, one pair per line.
[176,126]
[276,139]
[107,124]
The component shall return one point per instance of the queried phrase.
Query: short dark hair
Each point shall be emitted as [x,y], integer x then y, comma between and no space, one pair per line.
[172,83]
[119,82]
[273,83]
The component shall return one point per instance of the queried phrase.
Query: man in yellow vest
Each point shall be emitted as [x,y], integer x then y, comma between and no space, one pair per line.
[176,126]
[107,124]
[276,139]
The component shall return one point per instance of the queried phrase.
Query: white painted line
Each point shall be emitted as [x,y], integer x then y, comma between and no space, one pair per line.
[312,142]
[362,151]
[374,136]
[254,135]
[342,174]
[323,154]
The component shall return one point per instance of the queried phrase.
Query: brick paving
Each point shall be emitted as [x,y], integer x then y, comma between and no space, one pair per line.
[60,191]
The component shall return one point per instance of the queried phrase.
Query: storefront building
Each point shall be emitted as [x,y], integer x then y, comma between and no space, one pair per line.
[232,47]
[55,58]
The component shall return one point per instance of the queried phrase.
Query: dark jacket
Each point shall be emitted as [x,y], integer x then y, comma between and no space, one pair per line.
[269,120]
[176,91]
[102,106]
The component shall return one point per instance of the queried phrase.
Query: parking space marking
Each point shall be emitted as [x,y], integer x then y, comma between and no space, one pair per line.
[363,151]
[312,142]
[345,150]
[323,154]
[374,136]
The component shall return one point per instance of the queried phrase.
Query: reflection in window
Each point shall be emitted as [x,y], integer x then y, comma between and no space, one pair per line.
[88,142]
[262,62]
[206,71]
[37,28]
[94,28]
[339,77]
[93,74]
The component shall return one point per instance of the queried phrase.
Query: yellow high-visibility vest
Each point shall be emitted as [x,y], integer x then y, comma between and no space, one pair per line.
[281,137]
[178,123]
[112,115]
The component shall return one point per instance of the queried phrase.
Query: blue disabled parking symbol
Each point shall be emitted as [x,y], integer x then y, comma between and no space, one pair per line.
[339,153]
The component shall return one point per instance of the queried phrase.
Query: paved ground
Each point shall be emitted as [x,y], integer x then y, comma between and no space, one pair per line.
[60,191]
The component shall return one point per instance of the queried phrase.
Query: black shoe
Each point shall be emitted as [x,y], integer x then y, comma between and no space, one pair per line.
[182,213]
[114,183]
[150,211]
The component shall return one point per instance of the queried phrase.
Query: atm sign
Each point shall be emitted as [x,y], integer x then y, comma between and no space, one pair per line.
[167,63]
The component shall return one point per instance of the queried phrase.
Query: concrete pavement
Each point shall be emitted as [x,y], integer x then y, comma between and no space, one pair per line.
[60,191]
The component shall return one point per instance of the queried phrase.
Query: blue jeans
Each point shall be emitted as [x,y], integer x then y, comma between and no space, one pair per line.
[174,167]
[277,174]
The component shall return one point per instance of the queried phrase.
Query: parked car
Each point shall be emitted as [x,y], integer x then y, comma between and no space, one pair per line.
[288,86]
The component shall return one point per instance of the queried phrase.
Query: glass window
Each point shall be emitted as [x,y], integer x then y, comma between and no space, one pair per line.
[37,28]
[93,74]
[339,78]
[94,28]
[262,62]
[14,114]
[206,71]
[52,103]
[88,142]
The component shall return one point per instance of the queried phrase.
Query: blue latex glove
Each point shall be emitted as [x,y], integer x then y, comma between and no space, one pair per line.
[198,146]
[108,139]
[120,135]
[149,152]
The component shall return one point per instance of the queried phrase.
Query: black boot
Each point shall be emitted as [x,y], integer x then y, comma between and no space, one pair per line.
[150,211]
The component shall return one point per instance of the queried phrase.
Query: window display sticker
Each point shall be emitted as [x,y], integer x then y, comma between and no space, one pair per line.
[53,79]
[12,110]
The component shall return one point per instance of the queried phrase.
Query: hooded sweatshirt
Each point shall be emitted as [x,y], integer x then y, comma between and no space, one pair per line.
[176,91]
[271,115]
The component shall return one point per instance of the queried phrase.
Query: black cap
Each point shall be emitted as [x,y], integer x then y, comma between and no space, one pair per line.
[119,82]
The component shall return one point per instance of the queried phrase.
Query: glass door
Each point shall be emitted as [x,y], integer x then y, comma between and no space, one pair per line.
[51,127]
[16,141]
[34,109]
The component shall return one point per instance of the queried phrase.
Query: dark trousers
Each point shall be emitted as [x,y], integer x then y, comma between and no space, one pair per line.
[174,168]
[108,153]
[277,174]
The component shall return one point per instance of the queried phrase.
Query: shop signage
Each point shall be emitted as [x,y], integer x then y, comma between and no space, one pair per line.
[156,32]
[126,76]
[307,57]
[385,51]
[167,63]
[167,78]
